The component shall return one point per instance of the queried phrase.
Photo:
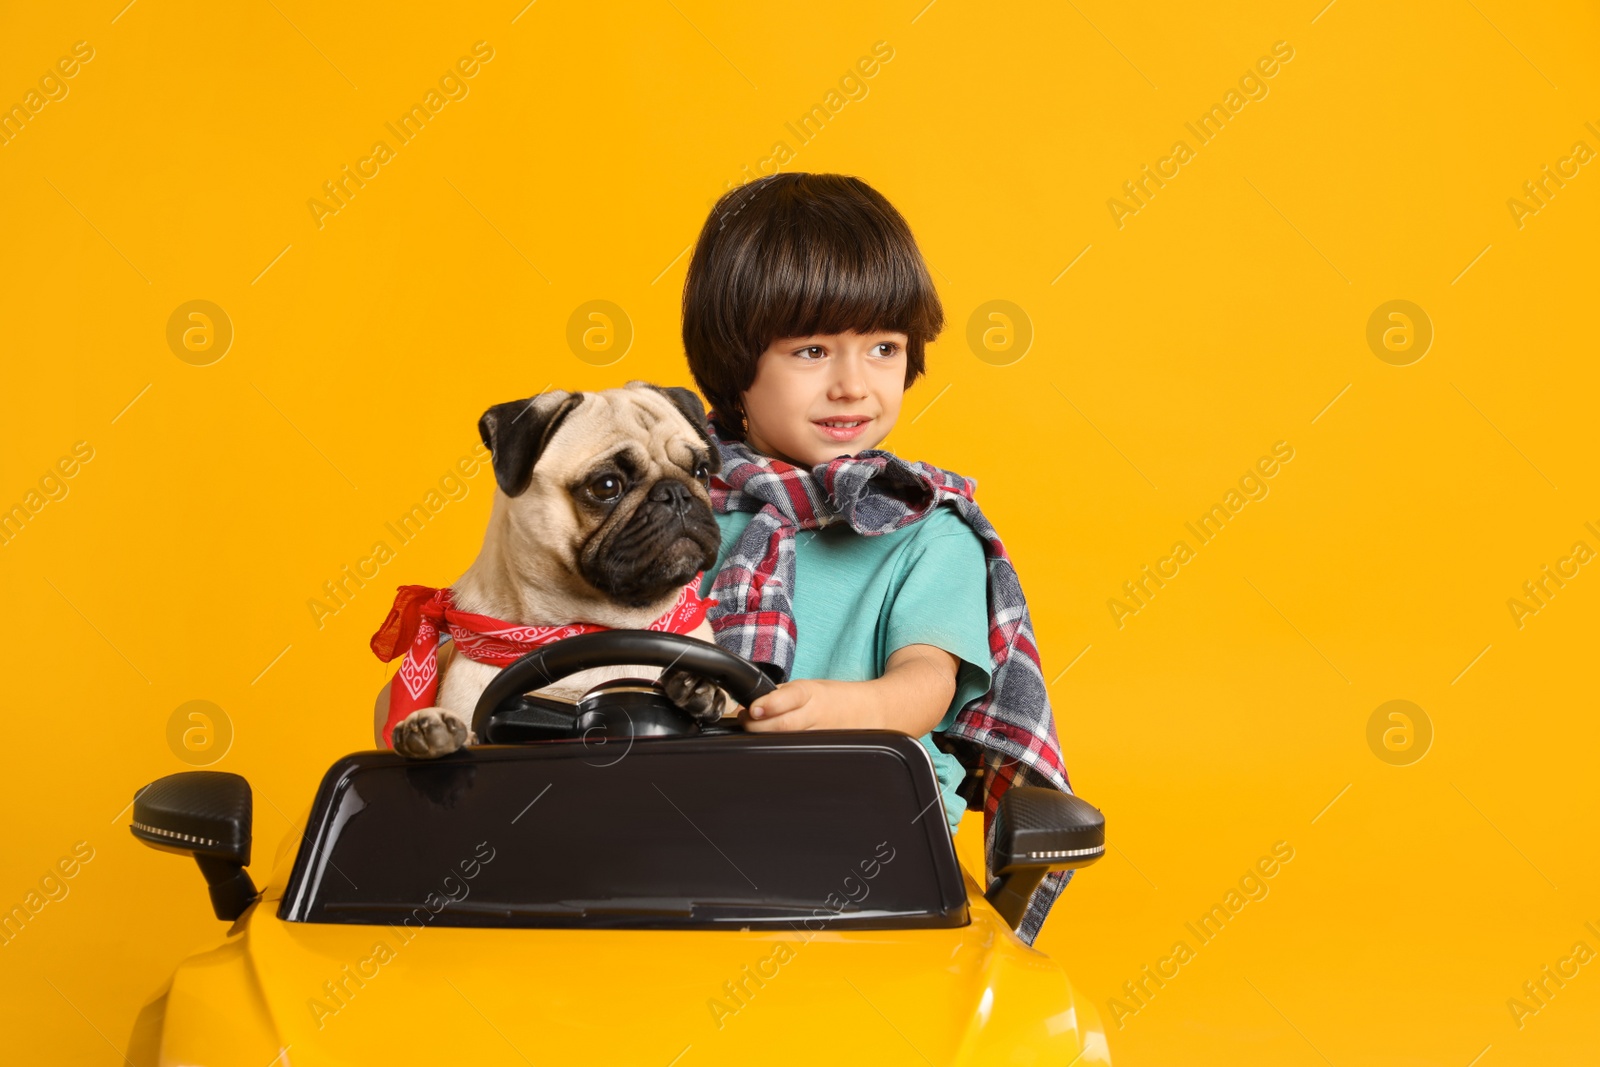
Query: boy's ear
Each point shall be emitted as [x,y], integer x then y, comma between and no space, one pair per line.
[685,401]
[516,432]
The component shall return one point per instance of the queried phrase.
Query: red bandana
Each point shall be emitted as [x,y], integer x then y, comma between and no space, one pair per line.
[421,612]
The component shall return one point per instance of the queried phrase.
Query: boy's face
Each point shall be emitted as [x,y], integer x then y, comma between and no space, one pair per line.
[804,384]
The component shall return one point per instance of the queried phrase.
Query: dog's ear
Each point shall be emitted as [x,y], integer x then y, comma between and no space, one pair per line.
[516,432]
[685,401]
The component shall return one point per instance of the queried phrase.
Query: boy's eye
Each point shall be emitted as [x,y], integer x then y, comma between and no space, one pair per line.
[893,347]
[810,349]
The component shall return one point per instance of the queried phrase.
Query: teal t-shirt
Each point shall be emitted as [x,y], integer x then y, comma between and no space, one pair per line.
[859,599]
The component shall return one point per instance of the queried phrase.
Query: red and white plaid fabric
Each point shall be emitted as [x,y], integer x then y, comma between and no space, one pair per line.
[421,613]
[1011,729]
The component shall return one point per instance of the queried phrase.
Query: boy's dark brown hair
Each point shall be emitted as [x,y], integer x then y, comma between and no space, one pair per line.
[792,255]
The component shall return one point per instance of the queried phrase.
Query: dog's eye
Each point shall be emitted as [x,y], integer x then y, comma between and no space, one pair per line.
[606,487]
[702,473]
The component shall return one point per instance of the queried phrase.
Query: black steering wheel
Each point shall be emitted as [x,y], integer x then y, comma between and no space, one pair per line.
[623,707]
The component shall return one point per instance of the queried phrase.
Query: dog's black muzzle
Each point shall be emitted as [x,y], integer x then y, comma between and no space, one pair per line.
[671,535]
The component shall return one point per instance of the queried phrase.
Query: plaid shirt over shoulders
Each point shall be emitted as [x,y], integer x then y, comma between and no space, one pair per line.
[1009,733]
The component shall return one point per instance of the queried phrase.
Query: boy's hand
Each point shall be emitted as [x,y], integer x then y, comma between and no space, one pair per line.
[811,704]
[911,697]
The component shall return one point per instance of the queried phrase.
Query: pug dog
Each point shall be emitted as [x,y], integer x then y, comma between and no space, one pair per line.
[602,513]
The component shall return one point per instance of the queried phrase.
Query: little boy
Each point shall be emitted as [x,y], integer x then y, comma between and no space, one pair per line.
[806,312]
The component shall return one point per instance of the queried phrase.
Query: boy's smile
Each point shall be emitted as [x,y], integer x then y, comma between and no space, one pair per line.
[826,395]
[847,428]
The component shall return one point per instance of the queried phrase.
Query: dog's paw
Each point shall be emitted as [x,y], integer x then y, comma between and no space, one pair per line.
[430,732]
[700,698]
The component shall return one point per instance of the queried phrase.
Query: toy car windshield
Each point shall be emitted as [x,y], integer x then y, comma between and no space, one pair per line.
[756,830]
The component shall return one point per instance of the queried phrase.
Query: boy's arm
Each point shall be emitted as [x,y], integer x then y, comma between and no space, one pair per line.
[937,622]
[912,696]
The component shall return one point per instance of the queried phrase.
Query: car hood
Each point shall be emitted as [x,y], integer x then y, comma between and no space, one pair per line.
[346,994]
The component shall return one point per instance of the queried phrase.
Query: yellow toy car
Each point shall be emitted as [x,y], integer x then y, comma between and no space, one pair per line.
[607,882]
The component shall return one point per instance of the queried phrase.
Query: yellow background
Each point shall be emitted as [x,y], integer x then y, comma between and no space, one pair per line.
[1228,314]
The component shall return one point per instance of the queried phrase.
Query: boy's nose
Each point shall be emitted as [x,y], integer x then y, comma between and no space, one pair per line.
[849,381]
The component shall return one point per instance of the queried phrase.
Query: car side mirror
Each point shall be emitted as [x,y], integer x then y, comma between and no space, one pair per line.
[1038,830]
[205,814]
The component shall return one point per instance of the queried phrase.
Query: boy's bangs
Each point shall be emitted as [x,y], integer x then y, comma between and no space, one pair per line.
[835,281]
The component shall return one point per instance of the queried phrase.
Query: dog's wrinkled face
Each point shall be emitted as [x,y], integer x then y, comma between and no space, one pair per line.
[612,485]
